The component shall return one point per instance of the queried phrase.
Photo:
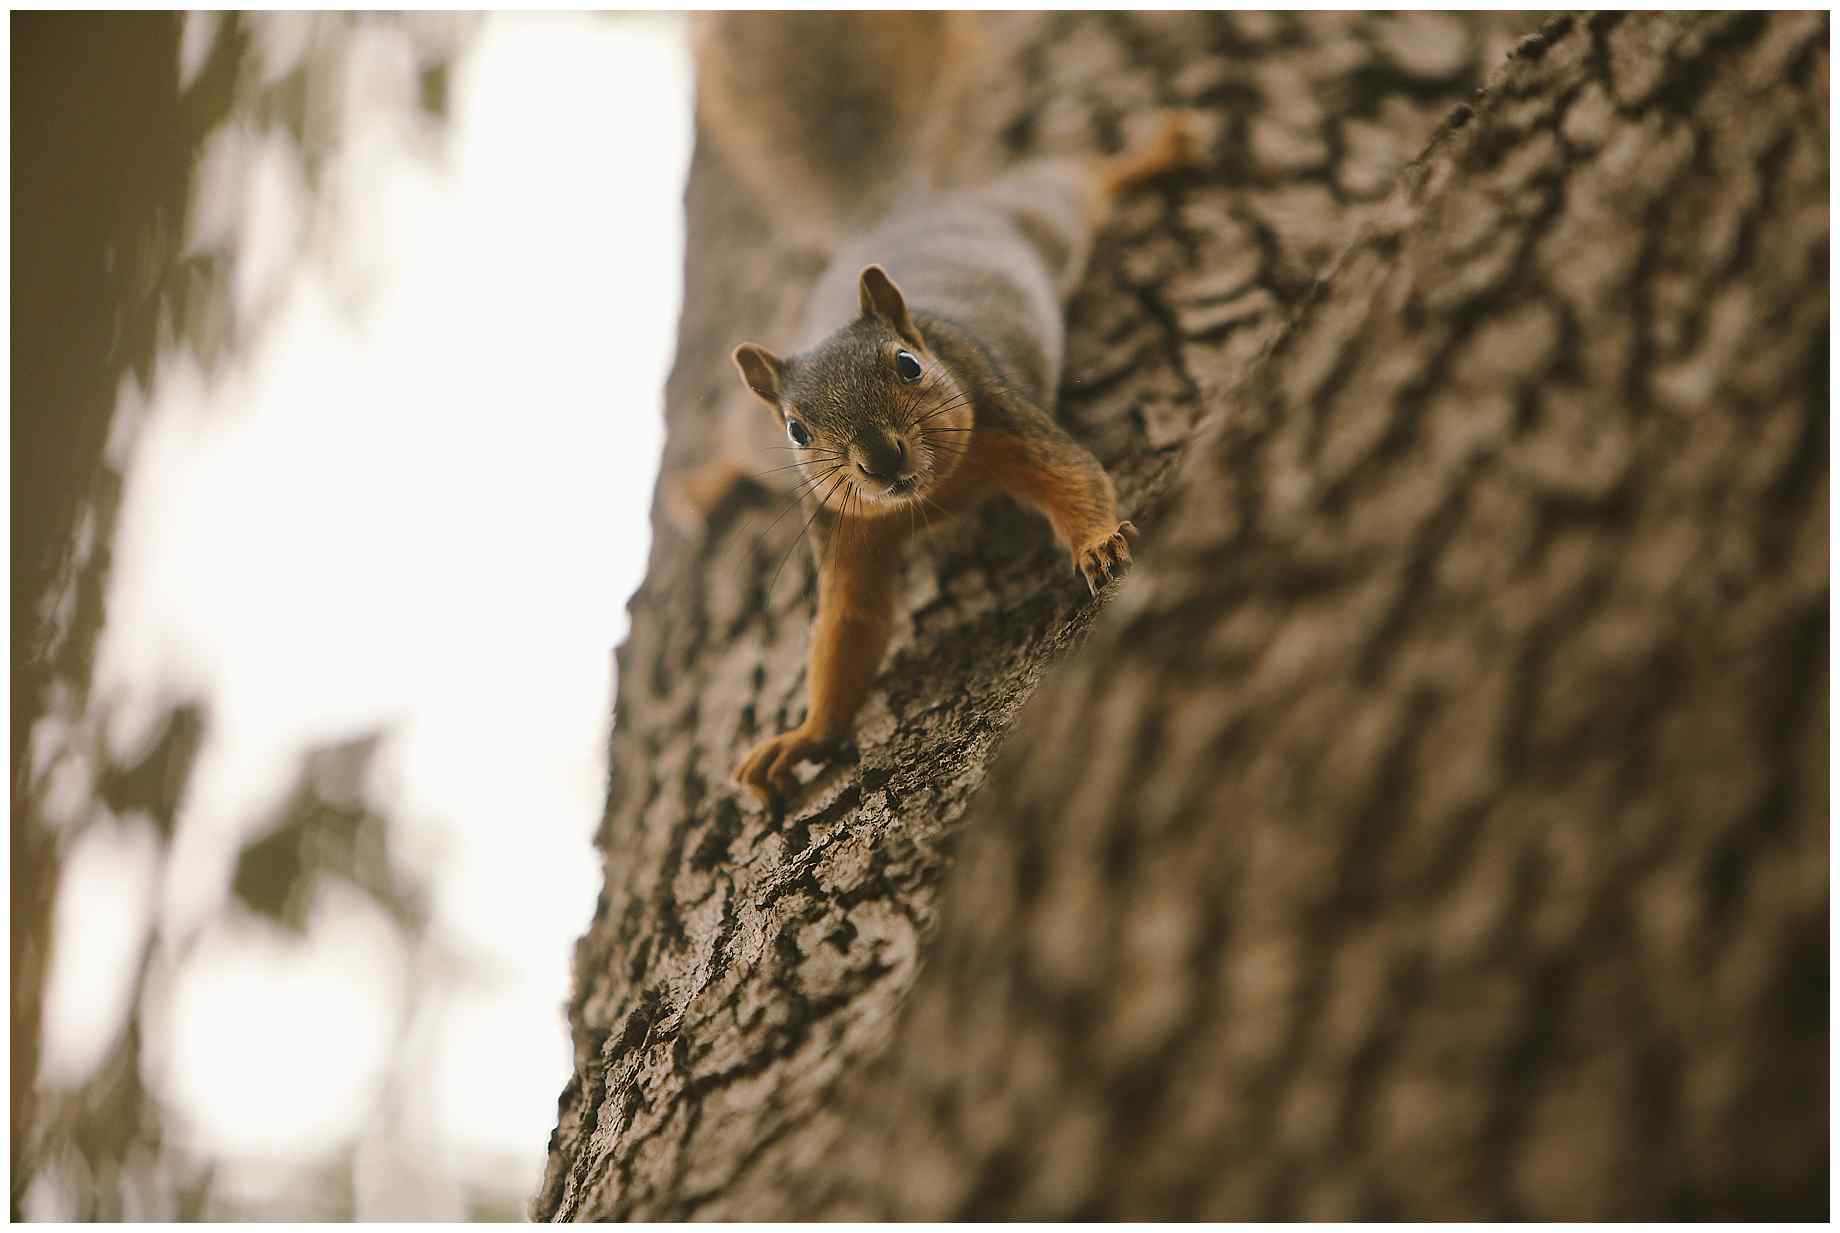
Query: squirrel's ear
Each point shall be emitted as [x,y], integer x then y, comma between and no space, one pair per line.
[881,298]
[761,370]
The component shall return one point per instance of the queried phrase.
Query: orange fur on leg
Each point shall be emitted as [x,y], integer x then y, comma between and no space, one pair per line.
[857,580]
[1067,484]
[1176,146]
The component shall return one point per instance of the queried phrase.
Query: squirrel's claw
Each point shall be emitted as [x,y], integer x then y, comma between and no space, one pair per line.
[1106,559]
[767,771]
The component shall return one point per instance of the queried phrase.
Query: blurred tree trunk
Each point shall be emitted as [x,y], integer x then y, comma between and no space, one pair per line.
[106,290]
[99,182]
[1435,827]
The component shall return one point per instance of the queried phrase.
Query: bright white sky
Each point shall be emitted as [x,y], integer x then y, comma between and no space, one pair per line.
[416,496]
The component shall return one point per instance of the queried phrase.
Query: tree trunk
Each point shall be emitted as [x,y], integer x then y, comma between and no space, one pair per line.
[103,146]
[1436,826]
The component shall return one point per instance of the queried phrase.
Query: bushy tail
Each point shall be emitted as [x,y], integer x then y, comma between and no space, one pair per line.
[828,117]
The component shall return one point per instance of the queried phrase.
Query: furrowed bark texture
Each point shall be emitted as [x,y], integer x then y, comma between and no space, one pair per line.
[1438,825]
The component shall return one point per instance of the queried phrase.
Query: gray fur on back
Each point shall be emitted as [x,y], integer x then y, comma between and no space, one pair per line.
[998,260]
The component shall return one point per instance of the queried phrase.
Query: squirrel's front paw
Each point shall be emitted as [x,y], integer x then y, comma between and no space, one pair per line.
[767,772]
[1107,557]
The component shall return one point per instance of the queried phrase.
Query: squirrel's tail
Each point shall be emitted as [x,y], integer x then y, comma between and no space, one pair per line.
[827,118]
[1177,146]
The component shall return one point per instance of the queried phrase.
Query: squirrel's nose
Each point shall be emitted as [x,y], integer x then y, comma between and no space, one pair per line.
[884,459]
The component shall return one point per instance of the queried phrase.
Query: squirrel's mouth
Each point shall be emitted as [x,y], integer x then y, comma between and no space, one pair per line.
[902,490]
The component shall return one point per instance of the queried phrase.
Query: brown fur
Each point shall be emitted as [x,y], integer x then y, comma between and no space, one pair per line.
[821,169]
[971,423]
[1175,146]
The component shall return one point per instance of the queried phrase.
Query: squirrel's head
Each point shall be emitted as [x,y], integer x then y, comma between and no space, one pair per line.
[874,417]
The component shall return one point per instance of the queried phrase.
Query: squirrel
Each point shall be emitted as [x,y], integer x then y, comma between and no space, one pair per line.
[928,366]
[825,121]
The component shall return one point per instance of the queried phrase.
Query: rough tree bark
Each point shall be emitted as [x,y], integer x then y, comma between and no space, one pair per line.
[1437,824]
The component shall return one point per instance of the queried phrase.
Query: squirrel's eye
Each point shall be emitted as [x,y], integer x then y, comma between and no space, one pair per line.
[797,432]
[907,366]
